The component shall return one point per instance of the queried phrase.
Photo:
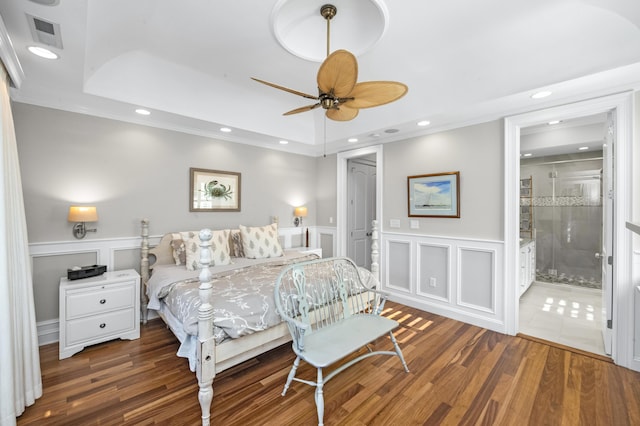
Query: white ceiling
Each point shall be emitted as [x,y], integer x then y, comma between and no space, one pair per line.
[189,62]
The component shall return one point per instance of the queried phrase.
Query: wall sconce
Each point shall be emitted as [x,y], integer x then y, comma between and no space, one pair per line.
[81,215]
[299,213]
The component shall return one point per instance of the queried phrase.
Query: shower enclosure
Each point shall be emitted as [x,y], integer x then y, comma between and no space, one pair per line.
[567,219]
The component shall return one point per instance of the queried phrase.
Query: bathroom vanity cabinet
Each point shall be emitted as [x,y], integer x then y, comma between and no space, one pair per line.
[527,263]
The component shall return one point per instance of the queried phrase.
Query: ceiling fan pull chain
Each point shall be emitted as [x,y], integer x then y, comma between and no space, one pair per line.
[325,138]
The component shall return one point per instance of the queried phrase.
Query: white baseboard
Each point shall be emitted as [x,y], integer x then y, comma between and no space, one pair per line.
[48,332]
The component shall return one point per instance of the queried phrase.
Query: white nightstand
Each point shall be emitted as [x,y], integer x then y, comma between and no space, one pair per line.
[97,309]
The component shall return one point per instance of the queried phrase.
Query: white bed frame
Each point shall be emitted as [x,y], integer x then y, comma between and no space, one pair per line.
[212,358]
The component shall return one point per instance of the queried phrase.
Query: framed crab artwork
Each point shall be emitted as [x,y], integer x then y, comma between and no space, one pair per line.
[214,191]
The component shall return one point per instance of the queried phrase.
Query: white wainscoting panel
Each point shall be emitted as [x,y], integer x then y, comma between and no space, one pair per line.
[325,238]
[399,269]
[476,279]
[453,277]
[433,272]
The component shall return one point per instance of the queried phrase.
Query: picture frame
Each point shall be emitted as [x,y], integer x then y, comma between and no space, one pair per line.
[434,195]
[214,190]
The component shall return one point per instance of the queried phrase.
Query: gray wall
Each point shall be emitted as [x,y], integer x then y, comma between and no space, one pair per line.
[326,198]
[130,171]
[476,152]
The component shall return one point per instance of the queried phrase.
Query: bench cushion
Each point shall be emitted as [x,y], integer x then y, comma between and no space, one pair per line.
[327,345]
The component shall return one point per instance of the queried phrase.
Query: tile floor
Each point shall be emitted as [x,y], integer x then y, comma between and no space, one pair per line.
[568,315]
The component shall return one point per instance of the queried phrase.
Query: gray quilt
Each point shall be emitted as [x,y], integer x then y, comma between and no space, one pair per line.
[242,297]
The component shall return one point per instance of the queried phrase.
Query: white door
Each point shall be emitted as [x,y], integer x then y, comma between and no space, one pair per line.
[361,196]
[606,254]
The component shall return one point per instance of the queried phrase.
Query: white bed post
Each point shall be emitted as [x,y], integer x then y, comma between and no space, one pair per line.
[144,270]
[206,363]
[375,253]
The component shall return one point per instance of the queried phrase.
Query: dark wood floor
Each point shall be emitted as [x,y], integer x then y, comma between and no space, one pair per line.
[460,374]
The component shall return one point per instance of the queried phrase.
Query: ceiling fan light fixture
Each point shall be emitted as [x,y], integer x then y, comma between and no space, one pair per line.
[340,95]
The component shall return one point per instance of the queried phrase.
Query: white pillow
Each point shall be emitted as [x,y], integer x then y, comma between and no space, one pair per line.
[219,248]
[261,241]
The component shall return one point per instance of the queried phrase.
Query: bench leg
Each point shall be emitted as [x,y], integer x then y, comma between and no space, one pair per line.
[320,397]
[292,374]
[398,351]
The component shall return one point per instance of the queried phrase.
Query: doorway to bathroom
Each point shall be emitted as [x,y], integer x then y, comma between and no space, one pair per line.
[562,220]
[617,260]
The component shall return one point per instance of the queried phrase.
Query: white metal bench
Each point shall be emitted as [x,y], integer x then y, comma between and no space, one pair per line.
[331,313]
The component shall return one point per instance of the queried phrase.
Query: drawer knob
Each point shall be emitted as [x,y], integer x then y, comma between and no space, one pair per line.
[103,325]
[103,301]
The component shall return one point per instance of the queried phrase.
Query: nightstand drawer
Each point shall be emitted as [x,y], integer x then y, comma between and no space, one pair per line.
[95,327]
[96,300]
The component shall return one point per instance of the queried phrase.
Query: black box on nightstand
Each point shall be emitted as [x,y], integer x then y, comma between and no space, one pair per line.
[86,271]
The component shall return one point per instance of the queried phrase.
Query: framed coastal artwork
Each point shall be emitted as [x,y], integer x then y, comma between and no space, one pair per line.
[214,191]
[434,195]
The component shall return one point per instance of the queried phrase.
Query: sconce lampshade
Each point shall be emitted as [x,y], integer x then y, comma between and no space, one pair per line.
[300,212]
[82,214]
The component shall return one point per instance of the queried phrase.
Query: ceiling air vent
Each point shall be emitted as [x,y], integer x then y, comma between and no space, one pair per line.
[45,32]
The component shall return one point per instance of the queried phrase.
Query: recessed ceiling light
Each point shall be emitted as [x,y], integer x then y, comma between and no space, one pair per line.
[225,129]
[552,122]
[528,154]
[352,140]
[42,52]
[391,131]
[424,123]
[583,148]
[540,95]
[143,111]
[375,135]
[283,142]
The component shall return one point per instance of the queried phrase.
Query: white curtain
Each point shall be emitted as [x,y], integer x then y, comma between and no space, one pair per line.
[20,379]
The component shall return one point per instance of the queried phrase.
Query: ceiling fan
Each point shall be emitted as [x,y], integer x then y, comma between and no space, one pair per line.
[338,90]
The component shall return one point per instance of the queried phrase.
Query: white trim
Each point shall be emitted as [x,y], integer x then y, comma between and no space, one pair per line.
[48,331]
[409,290]
[450,307]
[494,257]
[9,58]
[447,248]
[342,202]
[326,230]
[622,292]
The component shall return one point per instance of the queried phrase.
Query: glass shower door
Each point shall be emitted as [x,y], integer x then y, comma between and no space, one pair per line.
[569,226]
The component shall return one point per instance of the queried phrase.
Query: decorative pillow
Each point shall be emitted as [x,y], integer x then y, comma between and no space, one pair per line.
[219,248]
[179,252]
[235,243]
[260,242]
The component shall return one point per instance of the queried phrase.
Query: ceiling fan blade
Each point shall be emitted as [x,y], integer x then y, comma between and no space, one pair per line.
[339,73]
[295,92]
[373,93]
[302,109]
[343,114]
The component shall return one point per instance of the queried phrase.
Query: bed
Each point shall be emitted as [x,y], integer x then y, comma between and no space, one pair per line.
[219,303]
